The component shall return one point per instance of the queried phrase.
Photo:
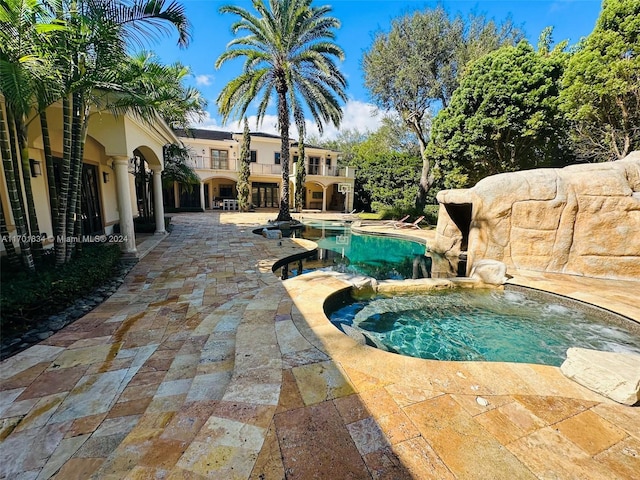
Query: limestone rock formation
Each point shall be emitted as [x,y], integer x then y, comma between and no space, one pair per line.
[580,220]
[614,375]
[491,272]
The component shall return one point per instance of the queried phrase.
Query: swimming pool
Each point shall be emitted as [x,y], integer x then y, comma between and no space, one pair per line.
[339,249]
[514,325]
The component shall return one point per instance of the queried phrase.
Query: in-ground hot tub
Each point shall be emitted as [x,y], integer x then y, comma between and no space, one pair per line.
[511,325]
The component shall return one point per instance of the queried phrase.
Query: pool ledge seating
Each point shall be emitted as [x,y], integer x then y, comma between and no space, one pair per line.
[614,375]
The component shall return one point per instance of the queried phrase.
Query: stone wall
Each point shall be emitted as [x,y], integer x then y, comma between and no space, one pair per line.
[580,220]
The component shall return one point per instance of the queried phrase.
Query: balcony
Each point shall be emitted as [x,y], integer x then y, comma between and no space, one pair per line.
[262,169]
[327,170]
[203,162]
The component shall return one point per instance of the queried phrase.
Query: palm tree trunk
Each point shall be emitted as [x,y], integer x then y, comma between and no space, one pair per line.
[14,158]
[34,228]
[12,191]
[284,215]
[65,174]
[301,174]
[83,138]
[12,255]
[76,169]
[51,176]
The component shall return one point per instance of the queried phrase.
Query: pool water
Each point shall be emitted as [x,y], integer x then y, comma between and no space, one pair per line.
[339,249]
[485,325]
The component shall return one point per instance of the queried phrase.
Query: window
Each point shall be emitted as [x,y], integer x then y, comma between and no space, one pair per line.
[254,156]
[226,191]
[276,158]
[219,159]
[314,165]
[316,195]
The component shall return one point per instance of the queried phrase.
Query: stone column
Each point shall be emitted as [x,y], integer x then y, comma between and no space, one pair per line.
[324,199]
[125,212]
[202,196]
[158,207]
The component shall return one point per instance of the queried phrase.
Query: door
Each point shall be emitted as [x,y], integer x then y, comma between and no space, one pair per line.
[265,195]
[91,210]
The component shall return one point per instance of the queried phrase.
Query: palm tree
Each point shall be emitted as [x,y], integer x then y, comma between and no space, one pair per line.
[87,43]
[25,74]
[89,54]
[289,49]
[146,87]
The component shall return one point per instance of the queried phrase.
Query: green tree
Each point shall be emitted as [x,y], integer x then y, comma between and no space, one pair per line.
[145,87]
[25,75]
[90,55]
[419,63]
[601,93]
[244,192]
[387,170]
[504,116]
[345,142]
[289,49]
[176,168]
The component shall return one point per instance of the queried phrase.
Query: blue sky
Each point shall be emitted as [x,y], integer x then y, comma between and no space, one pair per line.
[361,19]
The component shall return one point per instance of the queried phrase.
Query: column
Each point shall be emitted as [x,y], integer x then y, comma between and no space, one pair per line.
[324,199]
[158,207]
[202,195]
[176,194]
[125,212]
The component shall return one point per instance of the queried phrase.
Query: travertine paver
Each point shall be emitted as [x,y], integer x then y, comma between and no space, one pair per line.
[205,365]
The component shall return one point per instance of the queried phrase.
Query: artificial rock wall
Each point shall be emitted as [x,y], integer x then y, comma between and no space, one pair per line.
[581,220]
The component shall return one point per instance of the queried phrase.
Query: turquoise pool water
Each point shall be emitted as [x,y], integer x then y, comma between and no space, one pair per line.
[484,325]
[380,257]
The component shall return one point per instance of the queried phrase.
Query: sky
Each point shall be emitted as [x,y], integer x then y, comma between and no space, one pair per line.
[360,21]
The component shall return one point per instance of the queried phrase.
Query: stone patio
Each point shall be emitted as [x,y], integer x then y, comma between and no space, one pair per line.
[205,365]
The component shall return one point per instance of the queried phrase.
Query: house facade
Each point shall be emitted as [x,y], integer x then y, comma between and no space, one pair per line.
[215,156]
[110,193]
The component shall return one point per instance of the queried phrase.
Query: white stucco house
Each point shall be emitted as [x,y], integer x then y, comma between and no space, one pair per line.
[215,157]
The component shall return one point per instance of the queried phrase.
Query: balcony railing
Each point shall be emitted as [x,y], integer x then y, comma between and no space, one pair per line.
[327,170]
[203,162]
[262,169]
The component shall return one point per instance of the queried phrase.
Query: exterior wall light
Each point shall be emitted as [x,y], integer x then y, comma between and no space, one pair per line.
[105,177]
[34,165]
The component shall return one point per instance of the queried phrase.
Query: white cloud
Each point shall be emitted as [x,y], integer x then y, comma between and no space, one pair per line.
[357,115]
[205,80]
[211,123]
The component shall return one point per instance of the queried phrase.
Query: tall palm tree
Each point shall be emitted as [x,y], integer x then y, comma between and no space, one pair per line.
[89,54]
[85,56]
[288,49]
[25,74]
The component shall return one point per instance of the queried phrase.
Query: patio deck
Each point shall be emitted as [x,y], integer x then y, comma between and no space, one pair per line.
[205,365]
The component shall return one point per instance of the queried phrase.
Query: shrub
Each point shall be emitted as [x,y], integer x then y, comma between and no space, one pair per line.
[26,299]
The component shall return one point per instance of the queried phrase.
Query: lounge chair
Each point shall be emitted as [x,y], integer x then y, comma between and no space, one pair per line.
[393,222]
[413,224]
[352,215]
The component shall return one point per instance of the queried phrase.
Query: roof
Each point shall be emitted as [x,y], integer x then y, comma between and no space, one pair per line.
[308,145]
[204,134]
